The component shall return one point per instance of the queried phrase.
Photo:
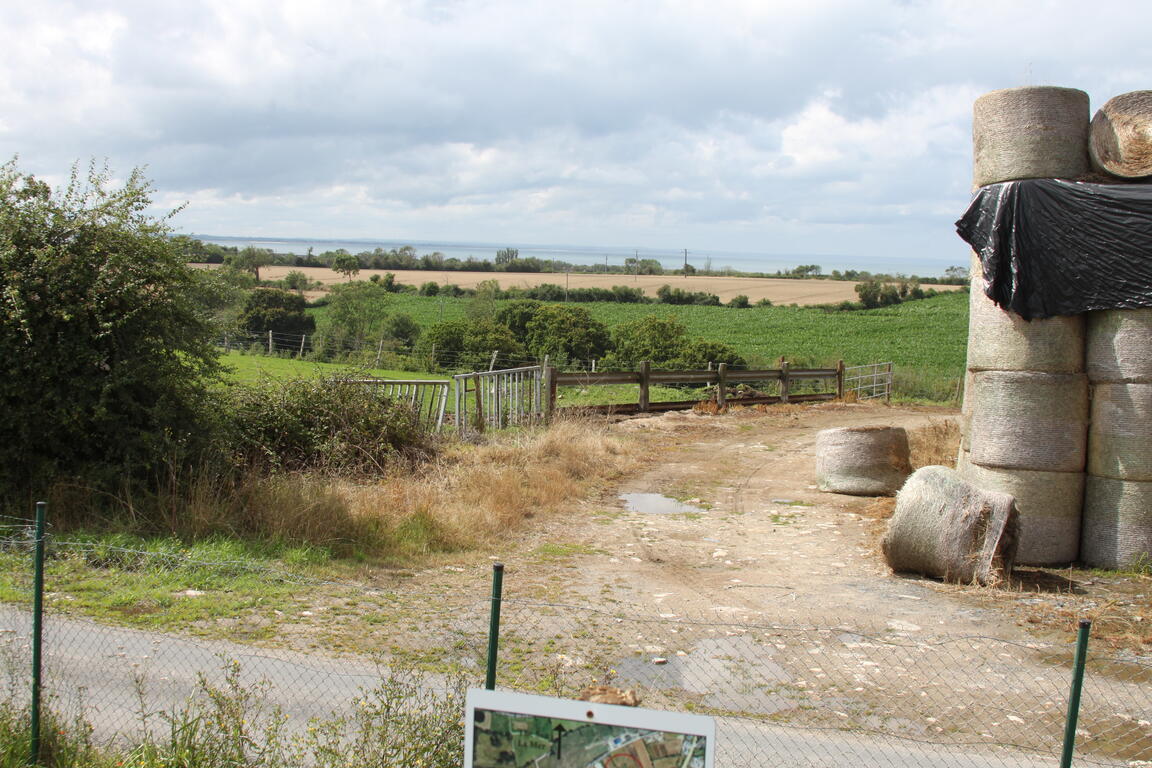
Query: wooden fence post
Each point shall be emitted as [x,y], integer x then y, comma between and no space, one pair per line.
[888,387]
[784,381]
[550,392]
[645,376]
[840,380]
[492,364]
[721,386]
[479,405]
[303,338]
[379,352]
[270,342]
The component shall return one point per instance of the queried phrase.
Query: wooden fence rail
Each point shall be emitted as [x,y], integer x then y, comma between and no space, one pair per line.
[720,377]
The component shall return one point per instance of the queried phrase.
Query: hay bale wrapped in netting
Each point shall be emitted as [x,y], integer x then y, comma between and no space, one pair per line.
[966,414]
[1003,341]
[862,461]
[1118,440]
[1118,345]
[1023,420]
[1117,529]
[1036,132]
[1120,136]
[949,529]
[1049,506]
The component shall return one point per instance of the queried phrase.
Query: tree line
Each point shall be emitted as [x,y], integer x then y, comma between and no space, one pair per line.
[406,257]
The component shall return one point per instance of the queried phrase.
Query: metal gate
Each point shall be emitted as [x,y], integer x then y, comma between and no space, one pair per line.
[499,399]
[428,398]
[869,381]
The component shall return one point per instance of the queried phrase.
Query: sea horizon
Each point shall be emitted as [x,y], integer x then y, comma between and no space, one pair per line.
[714,260]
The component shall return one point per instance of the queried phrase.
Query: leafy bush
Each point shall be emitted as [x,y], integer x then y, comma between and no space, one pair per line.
[468,345]
[270,309]
[517,314]
[566,333]
[334,424]
[665,343]
[669,295]
[108,351]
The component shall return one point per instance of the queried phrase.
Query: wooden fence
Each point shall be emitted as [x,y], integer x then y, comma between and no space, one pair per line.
[784,379]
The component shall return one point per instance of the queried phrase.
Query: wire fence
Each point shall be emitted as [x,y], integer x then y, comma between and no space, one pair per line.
[243,637]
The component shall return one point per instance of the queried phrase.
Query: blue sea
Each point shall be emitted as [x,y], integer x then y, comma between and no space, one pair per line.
[613,255]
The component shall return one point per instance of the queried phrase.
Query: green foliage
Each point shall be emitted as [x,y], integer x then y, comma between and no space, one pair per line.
[347,265]
[468,345]
[270,309]
[483,304]
[356,312]
[505,255]
[655,339]
[297,281]
[401,721]
[335,424]
[429,288]
[566,332]
[741,302]
[250,259]
[107,348]
[669,295]
[517,314]
[403,330]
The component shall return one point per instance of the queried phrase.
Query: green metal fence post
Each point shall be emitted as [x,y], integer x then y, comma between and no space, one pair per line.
[37,633]
[1074,696]
[494,624]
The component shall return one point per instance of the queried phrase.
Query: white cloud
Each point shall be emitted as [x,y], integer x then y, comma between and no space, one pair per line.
[821,127]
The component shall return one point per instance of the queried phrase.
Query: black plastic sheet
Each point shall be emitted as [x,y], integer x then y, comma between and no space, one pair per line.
[1050,247]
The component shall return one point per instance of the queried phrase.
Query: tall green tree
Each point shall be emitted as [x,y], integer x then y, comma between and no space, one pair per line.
[347,265]
[107,349]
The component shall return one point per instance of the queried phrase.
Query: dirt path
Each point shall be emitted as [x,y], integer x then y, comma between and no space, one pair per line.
[763,544]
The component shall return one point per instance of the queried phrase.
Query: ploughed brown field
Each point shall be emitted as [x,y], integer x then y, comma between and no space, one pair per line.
[778,291]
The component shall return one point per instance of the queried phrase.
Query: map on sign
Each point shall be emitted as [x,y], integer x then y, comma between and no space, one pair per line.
[514,730]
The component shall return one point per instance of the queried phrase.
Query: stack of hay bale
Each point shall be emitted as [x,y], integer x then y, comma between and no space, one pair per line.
[1025,413]
[1117,527]
[1118,495]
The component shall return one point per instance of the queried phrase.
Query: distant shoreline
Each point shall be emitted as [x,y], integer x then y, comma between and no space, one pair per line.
[590,255]
[777,290]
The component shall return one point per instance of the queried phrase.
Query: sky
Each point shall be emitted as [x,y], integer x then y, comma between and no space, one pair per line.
[822,127]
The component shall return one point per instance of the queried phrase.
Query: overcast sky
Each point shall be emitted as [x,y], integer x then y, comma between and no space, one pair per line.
[813,127]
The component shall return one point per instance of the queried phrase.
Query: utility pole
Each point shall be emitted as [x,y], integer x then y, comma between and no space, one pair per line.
[685,262]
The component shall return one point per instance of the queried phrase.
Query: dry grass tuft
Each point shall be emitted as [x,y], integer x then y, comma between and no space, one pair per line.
[473,493]
[934,444]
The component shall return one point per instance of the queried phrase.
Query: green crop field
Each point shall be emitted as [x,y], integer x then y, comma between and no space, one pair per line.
[925,339]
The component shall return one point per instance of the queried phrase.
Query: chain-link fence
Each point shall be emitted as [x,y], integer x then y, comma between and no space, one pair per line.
[163,661]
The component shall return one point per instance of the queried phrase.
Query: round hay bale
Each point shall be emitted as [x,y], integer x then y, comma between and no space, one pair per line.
[1118,444]
[1049,505]
[1003,341]
[862,461]
[1120,137]
[1035,421]
[1036,132]
[949,529]
[1117,530]
[1118,345]
[966,414]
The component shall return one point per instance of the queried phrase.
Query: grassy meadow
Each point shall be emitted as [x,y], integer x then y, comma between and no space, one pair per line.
[925,339]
